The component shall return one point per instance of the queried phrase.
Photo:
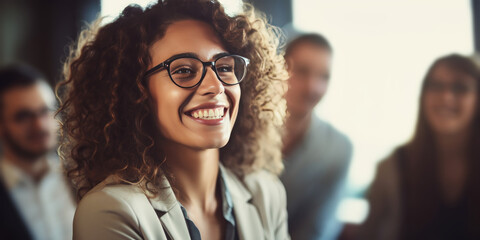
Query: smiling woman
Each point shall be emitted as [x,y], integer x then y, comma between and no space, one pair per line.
[171,121]
[428,188]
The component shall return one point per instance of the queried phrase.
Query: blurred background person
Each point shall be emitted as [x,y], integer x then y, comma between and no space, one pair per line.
[428,188]
[316,155]
[35,199]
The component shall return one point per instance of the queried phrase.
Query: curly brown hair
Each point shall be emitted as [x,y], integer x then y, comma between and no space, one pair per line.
[107,124]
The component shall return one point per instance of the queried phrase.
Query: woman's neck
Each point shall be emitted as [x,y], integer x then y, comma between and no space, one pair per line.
[195,175]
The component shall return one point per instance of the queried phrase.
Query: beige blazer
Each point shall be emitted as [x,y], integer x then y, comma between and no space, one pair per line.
[122,211]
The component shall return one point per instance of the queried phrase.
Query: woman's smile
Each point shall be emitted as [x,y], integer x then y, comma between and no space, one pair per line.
[209,113]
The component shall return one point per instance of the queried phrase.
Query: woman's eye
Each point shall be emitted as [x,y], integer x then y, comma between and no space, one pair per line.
[225,69]
[460,88]
[434,86]
[183,71]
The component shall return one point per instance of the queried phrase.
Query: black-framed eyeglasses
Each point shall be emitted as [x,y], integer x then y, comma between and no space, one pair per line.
[457,88]
[188,71]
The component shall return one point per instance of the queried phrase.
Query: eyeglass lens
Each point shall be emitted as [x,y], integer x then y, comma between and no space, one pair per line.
[187,72]
[458,88]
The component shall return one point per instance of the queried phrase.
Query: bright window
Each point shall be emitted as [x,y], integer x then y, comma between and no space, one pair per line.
[112,8]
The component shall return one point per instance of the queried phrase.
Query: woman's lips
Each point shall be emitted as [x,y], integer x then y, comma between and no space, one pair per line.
[446,111]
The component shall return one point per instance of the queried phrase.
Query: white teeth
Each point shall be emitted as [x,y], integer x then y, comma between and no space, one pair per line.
[215,113]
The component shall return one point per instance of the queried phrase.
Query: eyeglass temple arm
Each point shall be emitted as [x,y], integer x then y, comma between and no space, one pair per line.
[154,69]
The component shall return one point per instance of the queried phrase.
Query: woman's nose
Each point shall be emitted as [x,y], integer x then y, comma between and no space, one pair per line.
[211,84]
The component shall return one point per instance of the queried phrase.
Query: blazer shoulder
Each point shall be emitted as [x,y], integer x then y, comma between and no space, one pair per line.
[386,183]
[268,195]
[106,213]
[388,167]
[265,189]
[265,184]
[115,196]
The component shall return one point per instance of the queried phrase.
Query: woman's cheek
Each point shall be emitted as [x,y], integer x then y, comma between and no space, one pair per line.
[234,95]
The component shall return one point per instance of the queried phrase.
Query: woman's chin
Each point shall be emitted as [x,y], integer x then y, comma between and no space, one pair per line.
[448,129]
[209,143]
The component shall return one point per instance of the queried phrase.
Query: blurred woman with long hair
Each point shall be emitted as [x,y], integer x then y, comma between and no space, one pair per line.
[429,188]
[171,119]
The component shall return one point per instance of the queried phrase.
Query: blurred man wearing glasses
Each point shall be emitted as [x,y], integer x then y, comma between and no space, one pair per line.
[35,200]
[317,156]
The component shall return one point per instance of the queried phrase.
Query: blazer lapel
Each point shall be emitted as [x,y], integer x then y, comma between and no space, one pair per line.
[174,224]
[248,222]
[12,226]
[247,219]
[171,215]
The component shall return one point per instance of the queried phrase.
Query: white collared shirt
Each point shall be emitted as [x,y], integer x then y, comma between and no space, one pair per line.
[47,206]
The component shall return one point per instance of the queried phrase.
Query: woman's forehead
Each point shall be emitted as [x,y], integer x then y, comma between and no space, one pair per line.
[445,72]
[187,36]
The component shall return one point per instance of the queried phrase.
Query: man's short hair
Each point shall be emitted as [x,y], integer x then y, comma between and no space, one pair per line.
[310,38]
[18,76]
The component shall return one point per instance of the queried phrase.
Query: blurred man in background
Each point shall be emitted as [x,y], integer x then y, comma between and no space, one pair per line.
[35,200]
[317,156]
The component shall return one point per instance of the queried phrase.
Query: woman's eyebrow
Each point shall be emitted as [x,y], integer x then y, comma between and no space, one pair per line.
[194,55]
[188,54]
